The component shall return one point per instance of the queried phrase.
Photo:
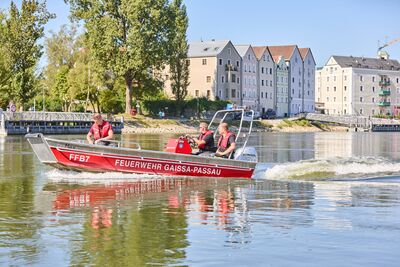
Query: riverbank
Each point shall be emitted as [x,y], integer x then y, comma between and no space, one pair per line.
[148,125]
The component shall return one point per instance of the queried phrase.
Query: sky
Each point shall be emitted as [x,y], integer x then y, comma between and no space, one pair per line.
[335,27]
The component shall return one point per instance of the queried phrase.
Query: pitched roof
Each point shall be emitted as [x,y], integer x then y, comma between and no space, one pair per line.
[259,51]
[367,63]
[242,49]
[282,50]
[206,48]
[304,52]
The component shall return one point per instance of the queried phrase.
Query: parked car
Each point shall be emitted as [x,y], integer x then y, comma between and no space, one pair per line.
[270,114]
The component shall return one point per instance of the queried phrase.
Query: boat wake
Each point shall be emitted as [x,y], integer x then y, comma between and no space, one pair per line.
[354,168]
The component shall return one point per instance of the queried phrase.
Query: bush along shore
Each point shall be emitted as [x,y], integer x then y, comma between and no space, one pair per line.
[149,125]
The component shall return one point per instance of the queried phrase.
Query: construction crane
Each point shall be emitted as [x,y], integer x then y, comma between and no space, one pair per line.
[388,43]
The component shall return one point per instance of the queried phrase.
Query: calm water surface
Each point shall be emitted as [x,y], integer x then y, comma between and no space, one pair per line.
[326,199]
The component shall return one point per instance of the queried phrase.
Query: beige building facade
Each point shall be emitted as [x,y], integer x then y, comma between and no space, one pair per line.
[359,86]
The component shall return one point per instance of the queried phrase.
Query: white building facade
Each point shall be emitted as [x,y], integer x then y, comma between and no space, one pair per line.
[359,86]
[265,79]
[249,77]
[308,80]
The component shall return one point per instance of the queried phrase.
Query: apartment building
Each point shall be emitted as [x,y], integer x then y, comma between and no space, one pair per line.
[294,61]
[249,75]
[308,79]
[348,85]
[214,71]
[265,79]
[282,87]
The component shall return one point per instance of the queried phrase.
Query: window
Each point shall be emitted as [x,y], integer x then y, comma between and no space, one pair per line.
[361,78]
[334,78]
[397,80]
[262,82]
[361,88]
[208,79]
[220,93]
[220,61]
[262,94]
[373,89]
[270,83]
[334,99]
[237,80]
[345,78]
[373,112]
[292,80]
[233,78]
[361,99]
[262,70]
[345,88]
[361,111]
[233,93]
[327,89]
[373,100]
[266,95]
[237,63]
[248,56]
[373,78]
[270,71]
[229,62]
[208,93]
[223,79]
[197,92]
[345,98]
[204,61]
[327,79]
[334,88]
[229,51]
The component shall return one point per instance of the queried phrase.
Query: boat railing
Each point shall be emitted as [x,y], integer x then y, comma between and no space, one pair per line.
[115,143]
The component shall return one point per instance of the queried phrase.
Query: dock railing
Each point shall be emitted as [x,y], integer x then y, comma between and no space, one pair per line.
[53,116]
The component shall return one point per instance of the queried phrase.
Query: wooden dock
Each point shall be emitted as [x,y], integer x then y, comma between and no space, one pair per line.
[20,123]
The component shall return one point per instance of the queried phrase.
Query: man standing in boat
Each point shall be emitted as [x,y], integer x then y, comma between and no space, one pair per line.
[226,142]
[205,141]
[100,132]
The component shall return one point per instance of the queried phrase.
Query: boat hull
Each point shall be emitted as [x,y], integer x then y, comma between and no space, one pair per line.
[84,157]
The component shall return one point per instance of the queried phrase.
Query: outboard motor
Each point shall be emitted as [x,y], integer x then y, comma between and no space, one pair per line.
[180,146]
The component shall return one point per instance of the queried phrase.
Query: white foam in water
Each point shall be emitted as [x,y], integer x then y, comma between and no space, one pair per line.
[332,168]
[89,177]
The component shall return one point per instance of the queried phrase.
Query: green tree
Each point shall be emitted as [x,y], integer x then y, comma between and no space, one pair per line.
[5,73]
[23,29]
[128,37]
[178,62]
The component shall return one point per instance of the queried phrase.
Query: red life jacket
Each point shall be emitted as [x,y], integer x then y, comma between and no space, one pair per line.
[101,131]
[223,141]
[203,137]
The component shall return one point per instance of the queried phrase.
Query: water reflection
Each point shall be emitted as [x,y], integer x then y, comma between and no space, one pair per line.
[189,221]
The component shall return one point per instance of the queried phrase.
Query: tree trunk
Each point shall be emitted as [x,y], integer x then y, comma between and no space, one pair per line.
[128,94]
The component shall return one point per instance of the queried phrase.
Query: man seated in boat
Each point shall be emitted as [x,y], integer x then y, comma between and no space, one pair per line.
[100,132]
[226,142]
[205,141]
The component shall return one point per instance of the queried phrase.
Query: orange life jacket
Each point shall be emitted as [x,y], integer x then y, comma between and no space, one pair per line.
[223,141]
[203,137]
[101,131]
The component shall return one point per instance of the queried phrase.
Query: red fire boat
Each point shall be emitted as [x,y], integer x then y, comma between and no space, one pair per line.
[177,160]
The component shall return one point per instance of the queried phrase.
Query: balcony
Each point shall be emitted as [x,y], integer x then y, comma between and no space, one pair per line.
[384,83]
[383,92]
[230,67]
[384,103]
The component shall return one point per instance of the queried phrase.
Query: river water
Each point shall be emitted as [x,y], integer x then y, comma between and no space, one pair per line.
[323,199]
